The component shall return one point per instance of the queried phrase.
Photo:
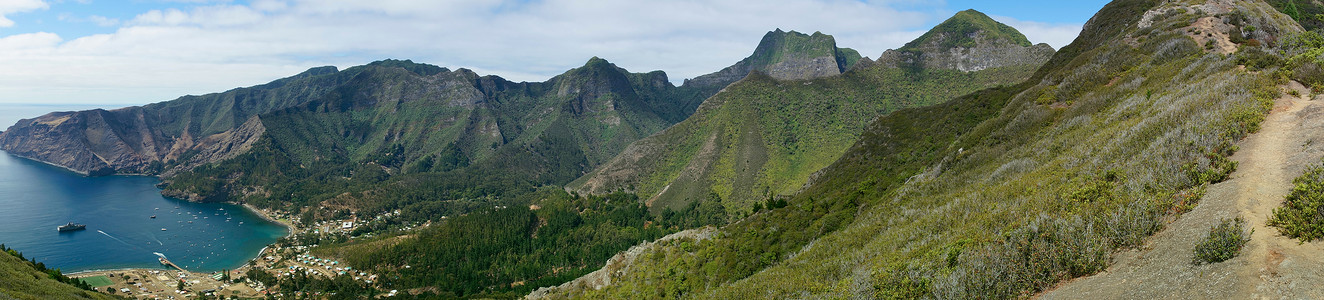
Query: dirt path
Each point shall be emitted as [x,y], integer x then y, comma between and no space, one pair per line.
[1271,266]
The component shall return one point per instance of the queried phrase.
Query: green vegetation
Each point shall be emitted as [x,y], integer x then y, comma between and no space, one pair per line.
[1302,213]
[300,285]
[1223,242]
[778,46]
[507,251]
[997,194]
[445,147]
[389,128]
[762,138]
[28,279]
[1304,53]
[961,29]
[1309,13]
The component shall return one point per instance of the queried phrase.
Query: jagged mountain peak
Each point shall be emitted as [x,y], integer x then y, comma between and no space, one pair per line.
[968,41]
[968,29]
[787,55]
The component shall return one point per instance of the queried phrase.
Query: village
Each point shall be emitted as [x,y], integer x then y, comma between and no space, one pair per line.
[282,260]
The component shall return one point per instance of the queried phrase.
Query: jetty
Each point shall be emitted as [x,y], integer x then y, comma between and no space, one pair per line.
[167,263]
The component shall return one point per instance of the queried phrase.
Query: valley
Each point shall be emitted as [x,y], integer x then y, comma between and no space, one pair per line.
[1169,151]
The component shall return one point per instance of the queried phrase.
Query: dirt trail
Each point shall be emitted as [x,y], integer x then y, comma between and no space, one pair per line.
[1271,266]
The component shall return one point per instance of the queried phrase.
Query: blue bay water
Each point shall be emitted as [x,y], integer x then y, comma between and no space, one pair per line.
[35,198]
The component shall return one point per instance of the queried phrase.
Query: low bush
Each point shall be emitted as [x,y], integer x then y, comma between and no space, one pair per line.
[1224,242]
[1302,213]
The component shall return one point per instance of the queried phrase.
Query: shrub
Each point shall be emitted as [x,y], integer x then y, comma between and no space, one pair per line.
[1302,213]
[1224,241]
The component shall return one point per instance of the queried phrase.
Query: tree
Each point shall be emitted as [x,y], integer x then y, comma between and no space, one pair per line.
[180,286]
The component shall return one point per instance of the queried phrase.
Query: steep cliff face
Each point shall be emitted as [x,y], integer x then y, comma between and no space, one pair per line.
[427,123]
[763,136]
[968,41]
[606,108]
[145,139]
[786,56]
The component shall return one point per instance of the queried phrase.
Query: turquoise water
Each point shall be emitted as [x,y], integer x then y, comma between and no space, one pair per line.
[35,198]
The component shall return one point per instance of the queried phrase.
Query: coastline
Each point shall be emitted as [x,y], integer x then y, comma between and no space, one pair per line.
[263,214]
[48,163]
[92,272]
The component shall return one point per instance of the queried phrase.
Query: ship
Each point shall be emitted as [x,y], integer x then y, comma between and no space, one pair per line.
[70,227]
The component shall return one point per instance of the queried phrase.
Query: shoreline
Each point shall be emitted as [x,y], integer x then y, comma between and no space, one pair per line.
[263,214]
[87,174]
[89,272]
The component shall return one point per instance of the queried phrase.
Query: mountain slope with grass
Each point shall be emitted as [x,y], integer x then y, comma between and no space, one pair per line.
[1008,191]
[761,138]
[25,279]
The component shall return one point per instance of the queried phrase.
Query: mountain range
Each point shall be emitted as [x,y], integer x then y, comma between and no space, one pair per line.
[762,137]
[969,163]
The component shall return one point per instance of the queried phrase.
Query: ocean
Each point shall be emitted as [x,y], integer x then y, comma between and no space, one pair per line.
[35,198]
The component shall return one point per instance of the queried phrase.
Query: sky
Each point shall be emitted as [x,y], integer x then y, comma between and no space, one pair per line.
[135,52]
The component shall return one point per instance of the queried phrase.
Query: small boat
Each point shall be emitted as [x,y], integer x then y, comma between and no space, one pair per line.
[153,216]
[163,229]
[70,227]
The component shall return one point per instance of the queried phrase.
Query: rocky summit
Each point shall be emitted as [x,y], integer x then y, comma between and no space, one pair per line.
[968,41]
[787,55]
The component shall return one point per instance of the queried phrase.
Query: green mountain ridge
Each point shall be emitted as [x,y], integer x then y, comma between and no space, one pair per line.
[1000,193]
[762,138]
[967,29]
[391,120]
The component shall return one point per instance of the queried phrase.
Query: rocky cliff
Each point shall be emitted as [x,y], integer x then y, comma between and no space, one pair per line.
[786,55]
[969,41]
[145,139]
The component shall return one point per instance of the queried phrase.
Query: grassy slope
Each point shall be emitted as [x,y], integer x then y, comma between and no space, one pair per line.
[19,280]
[769,136]
[958,31]
[960,201]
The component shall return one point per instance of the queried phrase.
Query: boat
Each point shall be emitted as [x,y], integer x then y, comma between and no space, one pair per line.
[153,216]
[163,229]
[70,227]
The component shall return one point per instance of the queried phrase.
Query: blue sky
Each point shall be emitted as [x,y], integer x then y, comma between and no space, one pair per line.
[143,51]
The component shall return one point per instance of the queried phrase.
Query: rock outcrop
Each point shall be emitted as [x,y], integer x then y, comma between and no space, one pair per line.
[969,41]
[619,264]
[786,55]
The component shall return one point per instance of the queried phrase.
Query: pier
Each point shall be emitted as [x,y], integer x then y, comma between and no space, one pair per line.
[167,263]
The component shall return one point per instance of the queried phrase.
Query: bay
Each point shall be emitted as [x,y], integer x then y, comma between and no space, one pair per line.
[35,198]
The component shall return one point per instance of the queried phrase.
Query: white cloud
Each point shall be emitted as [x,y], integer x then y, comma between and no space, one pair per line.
[161,54]
[17,6]
[1056,35]
[94,19]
